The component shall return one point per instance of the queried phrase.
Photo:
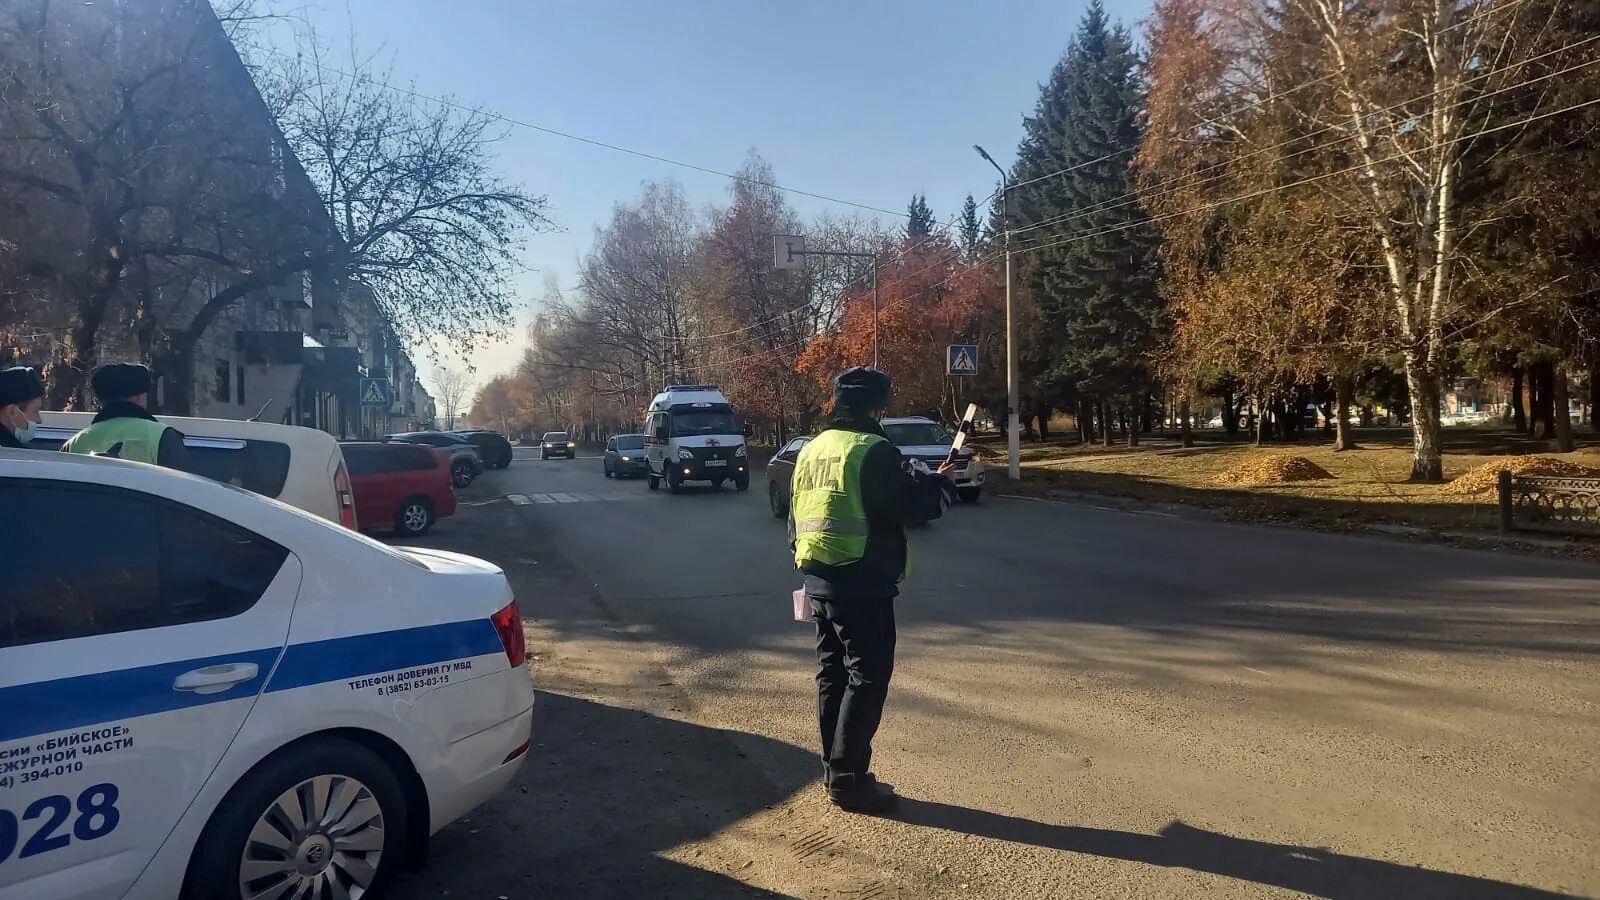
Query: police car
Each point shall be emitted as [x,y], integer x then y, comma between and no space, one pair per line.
[208,694]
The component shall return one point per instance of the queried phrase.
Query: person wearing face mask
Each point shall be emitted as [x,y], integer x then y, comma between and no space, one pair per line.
[21,397]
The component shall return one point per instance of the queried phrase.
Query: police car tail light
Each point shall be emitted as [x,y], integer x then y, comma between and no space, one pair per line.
[508,622]
[347,500]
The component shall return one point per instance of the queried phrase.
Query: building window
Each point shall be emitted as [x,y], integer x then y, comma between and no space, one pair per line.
[276,162]
[224,382]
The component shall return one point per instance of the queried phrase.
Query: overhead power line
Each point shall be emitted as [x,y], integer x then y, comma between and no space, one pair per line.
[593,142]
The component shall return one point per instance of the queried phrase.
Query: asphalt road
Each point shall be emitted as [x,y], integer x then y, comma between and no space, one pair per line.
[1086,703]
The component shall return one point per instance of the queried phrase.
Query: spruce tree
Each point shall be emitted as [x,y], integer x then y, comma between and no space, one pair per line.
[920,223]
[1093,276]
[971,232]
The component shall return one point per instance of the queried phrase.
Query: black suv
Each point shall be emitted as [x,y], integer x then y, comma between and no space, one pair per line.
[494,446]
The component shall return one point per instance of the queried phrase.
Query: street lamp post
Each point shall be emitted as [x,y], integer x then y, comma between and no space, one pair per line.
[1013,423]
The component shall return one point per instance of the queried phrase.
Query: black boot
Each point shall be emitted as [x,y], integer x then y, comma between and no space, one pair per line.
[862,794]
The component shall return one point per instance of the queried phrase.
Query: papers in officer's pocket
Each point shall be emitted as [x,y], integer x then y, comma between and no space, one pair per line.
[802,606]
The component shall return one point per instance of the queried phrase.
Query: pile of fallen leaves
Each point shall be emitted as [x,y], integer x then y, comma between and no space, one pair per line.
[1275,469]
[1485,477]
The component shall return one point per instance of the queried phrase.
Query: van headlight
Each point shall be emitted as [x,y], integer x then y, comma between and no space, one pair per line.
[685,453]
[740,451]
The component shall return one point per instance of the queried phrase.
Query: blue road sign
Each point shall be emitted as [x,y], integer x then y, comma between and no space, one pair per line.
[962,360]
[374,392]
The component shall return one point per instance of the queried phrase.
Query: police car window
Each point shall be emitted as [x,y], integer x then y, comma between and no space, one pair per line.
[97,560]
[211,569]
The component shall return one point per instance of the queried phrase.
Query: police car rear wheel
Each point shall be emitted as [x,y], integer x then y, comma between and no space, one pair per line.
[325,820]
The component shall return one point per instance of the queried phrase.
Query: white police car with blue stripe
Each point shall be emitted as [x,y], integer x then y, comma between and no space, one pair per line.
[208,694]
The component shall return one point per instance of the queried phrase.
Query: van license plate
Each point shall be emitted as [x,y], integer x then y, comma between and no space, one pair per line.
[713,463]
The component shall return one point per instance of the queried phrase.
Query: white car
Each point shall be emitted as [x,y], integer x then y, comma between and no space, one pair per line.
[303,467]
[926,441]
[208,694]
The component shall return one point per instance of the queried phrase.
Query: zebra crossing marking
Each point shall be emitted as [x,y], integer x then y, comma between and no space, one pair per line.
[570,497]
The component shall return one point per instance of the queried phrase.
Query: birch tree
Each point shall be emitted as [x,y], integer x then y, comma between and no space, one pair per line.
[1415,84]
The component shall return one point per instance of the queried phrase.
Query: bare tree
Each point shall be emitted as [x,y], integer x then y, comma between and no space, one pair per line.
[454,385]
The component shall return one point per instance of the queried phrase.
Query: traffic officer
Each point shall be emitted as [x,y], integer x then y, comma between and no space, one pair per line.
[21,397]
[124,428]
[852,500]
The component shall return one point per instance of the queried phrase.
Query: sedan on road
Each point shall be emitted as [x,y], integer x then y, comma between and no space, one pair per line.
[624,457]
[780,476]
[209,694]
[558,443]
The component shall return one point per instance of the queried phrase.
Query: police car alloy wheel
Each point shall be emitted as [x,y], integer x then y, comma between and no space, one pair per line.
[328,821]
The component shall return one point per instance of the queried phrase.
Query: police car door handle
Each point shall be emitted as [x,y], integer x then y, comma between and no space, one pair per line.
[215,679]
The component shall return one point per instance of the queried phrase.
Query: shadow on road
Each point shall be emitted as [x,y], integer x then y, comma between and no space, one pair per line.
[604,792]
[1319,873]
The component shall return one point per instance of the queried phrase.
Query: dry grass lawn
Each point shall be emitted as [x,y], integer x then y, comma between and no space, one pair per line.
[1369,485]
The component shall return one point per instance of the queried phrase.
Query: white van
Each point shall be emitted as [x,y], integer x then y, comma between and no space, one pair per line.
[302,467]
[691,435]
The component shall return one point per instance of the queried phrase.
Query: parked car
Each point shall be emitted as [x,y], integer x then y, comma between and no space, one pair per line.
[298,466]
[780,476]
[211,694]
[928,442]
[624,457]
[557,443]
[494,446]
[406,486]
[466,460]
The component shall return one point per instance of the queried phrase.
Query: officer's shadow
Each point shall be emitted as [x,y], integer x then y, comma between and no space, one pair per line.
[1319,873]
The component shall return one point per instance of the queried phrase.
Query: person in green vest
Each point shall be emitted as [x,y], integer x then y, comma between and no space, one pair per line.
[124,428]
[21,396]
[854,495]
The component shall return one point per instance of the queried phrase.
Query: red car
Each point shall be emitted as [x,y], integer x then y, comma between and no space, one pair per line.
[407,485]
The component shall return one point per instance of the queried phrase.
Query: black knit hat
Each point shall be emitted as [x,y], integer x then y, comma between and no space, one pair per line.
[19,385]
[119,381]
[862,389]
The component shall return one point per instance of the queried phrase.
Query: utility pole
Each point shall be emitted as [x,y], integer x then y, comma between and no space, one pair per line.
[1013,420]
[789,252]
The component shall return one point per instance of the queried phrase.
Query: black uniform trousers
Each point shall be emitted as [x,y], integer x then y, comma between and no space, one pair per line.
[855,659]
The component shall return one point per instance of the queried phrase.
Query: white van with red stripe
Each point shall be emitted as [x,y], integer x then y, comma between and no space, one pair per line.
[209,694]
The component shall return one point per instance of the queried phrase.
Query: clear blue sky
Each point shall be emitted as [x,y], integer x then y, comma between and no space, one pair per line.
[865,100]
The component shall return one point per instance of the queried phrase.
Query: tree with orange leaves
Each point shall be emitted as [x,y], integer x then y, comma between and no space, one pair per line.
[928,299]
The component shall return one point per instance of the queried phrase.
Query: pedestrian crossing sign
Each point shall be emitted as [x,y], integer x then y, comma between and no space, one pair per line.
[962,360]
[374,392]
